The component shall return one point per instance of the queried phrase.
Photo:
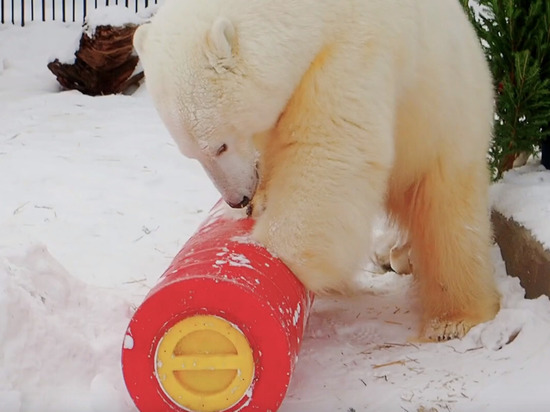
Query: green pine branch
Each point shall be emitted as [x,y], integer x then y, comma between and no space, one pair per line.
[515,35]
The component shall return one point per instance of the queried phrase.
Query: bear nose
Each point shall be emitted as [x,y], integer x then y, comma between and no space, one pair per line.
[244,202]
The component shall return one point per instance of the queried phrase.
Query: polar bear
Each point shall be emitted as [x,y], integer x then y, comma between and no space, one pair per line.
[319,114]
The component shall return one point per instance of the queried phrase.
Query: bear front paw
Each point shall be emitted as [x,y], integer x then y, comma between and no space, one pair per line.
[256,206]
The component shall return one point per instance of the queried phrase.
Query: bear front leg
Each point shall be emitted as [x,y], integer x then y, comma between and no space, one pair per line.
[450,234]
[325,166]
[318,214]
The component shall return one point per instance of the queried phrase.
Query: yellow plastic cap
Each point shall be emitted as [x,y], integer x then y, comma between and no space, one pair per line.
[205,364]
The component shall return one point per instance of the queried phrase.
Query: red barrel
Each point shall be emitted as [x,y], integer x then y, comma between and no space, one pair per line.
[221,330]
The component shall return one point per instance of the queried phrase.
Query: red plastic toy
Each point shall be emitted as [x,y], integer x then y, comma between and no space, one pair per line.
[221,330]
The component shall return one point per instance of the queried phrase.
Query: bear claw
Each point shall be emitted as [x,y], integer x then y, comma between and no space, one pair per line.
[444,330]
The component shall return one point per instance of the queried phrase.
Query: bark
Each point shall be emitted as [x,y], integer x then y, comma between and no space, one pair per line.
[104,63]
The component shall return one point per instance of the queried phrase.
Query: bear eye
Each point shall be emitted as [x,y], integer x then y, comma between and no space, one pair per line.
[222,149]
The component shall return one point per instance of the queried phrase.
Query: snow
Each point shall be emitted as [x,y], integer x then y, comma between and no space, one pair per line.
[68,55]
[57,336]
[366,345]
[513,196]
[115,16]
[97,200]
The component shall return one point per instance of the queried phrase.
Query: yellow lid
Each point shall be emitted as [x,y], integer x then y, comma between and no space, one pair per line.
[204,363]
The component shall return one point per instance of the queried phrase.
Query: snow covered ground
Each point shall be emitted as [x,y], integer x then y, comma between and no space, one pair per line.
[95,202]
[524,194]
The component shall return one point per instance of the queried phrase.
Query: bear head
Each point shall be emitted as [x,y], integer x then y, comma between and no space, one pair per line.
[212,91]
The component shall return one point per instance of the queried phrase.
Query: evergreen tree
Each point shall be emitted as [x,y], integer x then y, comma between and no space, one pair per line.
[515,35]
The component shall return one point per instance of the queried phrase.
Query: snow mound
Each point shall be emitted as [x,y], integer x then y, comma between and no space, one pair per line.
[61,339]
[116,16]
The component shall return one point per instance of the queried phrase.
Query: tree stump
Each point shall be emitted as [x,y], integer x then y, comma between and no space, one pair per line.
[104,63]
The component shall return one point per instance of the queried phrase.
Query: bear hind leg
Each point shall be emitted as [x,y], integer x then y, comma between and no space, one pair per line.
[448,223]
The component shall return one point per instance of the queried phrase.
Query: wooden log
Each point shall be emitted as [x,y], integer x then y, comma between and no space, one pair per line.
[104,64]
[109,48]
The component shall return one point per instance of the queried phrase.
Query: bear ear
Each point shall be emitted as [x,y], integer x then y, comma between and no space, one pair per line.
[221,42]
[140,36]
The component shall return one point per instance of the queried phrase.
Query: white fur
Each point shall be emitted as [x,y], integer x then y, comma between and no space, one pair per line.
[342,107]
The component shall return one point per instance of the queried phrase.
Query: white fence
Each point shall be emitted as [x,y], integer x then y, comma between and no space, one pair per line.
[23,11]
